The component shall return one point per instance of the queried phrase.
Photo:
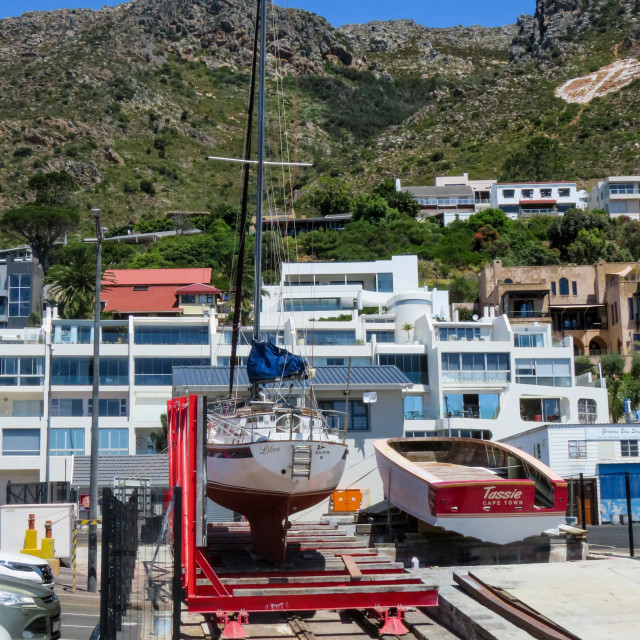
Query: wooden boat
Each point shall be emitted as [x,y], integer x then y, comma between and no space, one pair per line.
[478,488]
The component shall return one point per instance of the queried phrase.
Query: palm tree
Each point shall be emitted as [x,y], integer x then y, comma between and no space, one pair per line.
[73,281]
[407,327]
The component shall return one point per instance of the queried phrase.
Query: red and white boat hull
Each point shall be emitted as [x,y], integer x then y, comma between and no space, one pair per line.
[499,511]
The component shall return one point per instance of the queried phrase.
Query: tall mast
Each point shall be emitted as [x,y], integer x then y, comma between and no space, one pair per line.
[235,326]
[257,282]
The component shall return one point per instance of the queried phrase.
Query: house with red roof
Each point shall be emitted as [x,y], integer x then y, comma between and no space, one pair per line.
[159,292]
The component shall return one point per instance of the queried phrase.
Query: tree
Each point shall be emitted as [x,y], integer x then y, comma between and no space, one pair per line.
[73,281]
[332,195]
[612,365]
[540,159]
[374,209]
[403,201]
[564,231]
[407,327]
[39,226]
[463,288]
[52,189]
[160,436]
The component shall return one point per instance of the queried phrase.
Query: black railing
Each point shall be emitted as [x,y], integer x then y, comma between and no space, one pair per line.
[119,551]
[36,492]
[141,564]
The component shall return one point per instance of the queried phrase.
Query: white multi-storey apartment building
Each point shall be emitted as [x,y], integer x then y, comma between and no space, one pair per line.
[526,199]
[483,378]
[481,188]
[618,196]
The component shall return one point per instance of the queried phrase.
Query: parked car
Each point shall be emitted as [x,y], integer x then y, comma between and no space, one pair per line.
[25,567]
[29,610]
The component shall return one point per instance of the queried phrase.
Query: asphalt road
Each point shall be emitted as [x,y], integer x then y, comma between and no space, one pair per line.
[613,536]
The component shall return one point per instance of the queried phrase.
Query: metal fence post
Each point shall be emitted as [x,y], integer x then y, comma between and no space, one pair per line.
[582,510]
[627,486]
[176,588]
[106,563]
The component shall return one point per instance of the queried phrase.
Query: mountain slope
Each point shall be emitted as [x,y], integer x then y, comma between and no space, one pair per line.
[131,99]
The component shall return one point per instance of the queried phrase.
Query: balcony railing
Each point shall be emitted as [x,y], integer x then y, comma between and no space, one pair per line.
[475,377]
[528,314]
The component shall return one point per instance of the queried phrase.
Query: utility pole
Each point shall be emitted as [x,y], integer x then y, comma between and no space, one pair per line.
[47,477]
[92,578]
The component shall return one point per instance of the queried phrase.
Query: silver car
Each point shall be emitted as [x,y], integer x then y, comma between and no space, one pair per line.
[26,567]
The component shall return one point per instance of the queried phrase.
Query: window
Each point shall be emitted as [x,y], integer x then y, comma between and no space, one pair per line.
[188,298]
[21,442]
[67,442]
[508,193]
[113,442]
[540,409]
[615,313]
[629,448]
[475,367]
[564,193]
[577,448]
[529,339]
[545,193]
[485,406]
[68,407]
[636,341]
[537,453]
[553,288]
[381,336]
[587,411]
[27,408]
[159,371]
[109,407]
[114,334]
[25,371]
[413,365]
[413,408]
[385,282]
[527,193]
[544,371]
[172,335]
[311,304]
[630,300]
[141,287]
[19,294]
[563,286]
[327,336]
[574,288]
[508,281]
[114,371]
[71,371]
[459,333]
[358,414]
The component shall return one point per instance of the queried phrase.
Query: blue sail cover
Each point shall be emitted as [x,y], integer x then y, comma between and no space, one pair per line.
[268,362]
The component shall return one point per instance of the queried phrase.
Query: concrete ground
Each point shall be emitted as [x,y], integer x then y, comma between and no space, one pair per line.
[80,610]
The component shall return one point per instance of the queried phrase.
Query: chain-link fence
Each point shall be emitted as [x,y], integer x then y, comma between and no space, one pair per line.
[141,591]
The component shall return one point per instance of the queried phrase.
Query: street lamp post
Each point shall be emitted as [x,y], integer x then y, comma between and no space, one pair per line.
[92,579]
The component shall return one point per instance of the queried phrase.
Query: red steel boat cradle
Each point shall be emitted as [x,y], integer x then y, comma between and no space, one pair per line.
[383,592]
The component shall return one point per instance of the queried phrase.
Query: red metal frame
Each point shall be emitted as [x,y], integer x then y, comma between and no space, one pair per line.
[214,598]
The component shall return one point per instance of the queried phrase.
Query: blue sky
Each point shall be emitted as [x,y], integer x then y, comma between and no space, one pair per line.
[431,13]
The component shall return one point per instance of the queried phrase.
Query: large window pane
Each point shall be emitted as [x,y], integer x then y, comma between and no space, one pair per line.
[413,365]
[159,371]
[71,371]
[67,442]
[113,442]
[114,371]
[328,336]
[21,442]
[358,414]
[19,294]
[27,408]
[172,335]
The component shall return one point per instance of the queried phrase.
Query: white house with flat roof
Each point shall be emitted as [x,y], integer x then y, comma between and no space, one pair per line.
[526,199]
[481,188]
[596,456]
[618,196]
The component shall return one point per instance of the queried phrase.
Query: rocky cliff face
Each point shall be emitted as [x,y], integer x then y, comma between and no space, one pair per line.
[558,27]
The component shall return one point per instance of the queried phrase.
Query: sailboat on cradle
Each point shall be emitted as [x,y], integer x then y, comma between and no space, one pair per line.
[266,458]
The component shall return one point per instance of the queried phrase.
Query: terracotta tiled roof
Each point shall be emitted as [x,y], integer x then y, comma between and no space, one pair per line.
[179,277]
[154,299]
[198,288]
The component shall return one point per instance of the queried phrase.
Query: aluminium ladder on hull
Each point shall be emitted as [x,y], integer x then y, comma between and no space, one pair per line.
[301,461]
